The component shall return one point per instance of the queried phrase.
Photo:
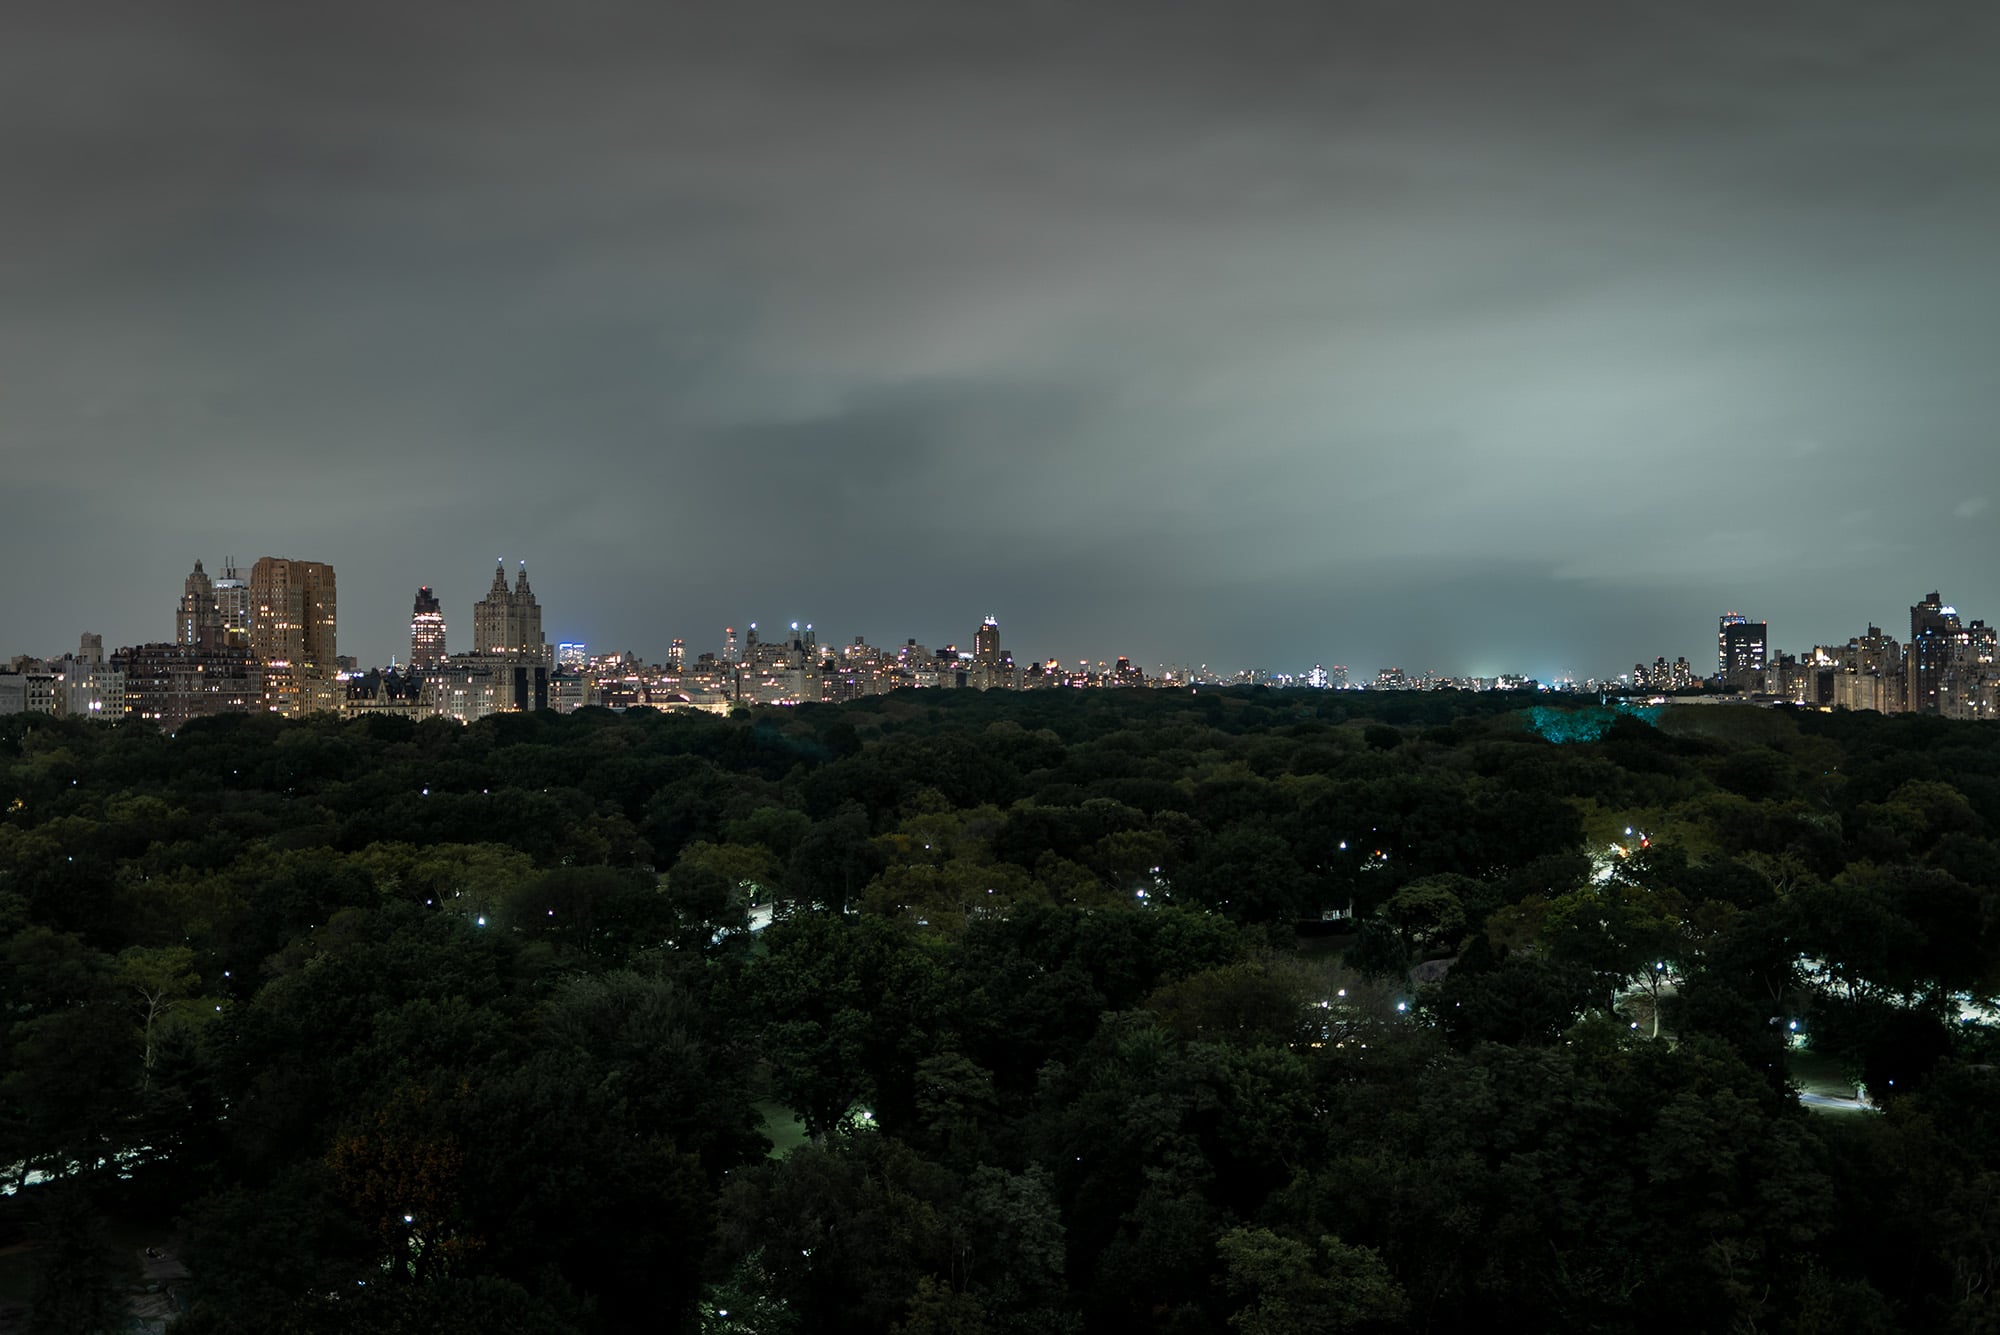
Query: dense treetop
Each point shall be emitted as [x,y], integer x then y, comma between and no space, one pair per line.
[1109,1011]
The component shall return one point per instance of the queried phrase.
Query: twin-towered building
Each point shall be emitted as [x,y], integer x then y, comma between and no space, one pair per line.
[506,623]
[269,643]
[510,662]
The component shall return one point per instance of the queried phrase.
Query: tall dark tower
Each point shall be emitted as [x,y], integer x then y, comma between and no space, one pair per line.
[1727,620]
[1741,648]
[427,631]
[232,599]
[198,623]
[986,641]
[1936,643]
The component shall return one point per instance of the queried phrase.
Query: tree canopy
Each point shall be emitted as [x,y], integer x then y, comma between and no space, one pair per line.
[1047,1012]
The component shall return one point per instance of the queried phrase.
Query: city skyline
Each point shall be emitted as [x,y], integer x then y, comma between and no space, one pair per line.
[490,624]
[1483,337]
[270,644]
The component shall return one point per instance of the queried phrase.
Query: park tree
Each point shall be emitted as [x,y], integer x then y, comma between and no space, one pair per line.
[78,1276]
[164,989]
[1428,915]
[1619,933]
[1120,1092]
[1289,1288]
[399,1171]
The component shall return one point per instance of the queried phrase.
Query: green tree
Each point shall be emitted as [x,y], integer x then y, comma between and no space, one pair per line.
[1427,915]
[77,1288]
[67,1092]
[1288,1288]
[163,984]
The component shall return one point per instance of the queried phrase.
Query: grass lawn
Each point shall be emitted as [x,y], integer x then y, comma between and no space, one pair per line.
[17,1275]
[1817,1073]
[785,1132]
[123,1235]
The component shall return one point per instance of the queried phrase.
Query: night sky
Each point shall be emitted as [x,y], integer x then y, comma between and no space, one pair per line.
[1466,336]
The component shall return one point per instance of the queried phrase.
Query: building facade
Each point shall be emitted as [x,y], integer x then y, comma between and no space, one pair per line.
[384,693]
[198,620]
[293,634]
[427,631]
[510,663]
[508,623]
[232,603]
[1937,641]
[91,689]
[170,684]
[1740,651]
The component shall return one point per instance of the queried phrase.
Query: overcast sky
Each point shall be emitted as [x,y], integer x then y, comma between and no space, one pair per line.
[1469,336]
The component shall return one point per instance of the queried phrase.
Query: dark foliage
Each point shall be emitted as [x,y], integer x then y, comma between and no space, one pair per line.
[1111,1011]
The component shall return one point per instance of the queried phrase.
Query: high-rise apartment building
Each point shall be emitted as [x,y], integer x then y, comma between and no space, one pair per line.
[510,662]
[205,669]
[232,602]
[1937,641]
[91,688]
[292,634]
[1869,673]
[198,621]
[508,624]
[1740,648]
[169,684]
[989,667]
[426,631]
[1970,687]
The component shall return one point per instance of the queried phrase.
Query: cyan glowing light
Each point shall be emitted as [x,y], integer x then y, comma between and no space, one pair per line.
[1587,724]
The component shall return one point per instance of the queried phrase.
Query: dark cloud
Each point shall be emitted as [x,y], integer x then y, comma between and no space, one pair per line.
[1452,335]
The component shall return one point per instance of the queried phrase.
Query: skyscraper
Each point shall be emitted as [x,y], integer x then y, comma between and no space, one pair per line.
[426,631]
[292,633]
[198,622]
[1971,686]
[990,667]
[508,624]
[510,662]
[1937,641]
[1740,651]
[1727,620]
[232,600]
